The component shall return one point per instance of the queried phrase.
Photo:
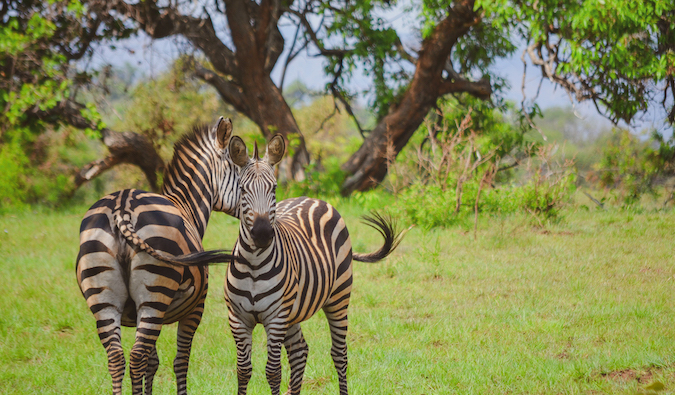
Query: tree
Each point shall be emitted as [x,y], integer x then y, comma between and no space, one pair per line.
[616,53]
[239,72]
[39,43]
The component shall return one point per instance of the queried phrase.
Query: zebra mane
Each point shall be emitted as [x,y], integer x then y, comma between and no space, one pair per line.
[195,137]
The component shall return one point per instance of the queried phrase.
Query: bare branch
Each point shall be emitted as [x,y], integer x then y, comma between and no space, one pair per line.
[230,92]
[160,22]
[480,89]
[323,51]
[290,57]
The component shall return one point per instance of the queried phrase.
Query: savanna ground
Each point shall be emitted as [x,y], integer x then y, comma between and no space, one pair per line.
[581,307]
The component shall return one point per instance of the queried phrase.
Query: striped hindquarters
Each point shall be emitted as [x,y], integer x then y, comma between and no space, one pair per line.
[147,222]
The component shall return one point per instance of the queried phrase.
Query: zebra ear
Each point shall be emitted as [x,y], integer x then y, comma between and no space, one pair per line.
[223,131]
[238,151]
[275,150]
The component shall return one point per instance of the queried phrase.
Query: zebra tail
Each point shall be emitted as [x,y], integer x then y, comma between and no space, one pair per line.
[386,226]
[200,258]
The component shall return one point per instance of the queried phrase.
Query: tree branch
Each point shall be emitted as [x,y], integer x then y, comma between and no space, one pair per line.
[160,22]
[480,89]
[124,147]
[323,51]
[230,92]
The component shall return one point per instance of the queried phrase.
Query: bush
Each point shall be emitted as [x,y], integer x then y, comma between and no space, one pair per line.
[452,172]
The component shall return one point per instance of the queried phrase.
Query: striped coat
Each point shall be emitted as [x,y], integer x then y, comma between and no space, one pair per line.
[141,261]
[293,259]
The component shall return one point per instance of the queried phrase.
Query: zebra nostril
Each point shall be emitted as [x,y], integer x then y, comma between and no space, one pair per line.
[262,232]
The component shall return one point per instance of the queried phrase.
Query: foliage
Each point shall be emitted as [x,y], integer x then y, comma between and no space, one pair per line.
[455,170]
[617,53]
[373,44]
[321,182]
[163,108]
[633,167]
[549,187]
[38,40]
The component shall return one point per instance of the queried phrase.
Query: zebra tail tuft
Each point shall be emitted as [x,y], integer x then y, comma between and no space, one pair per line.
[388,228]
[201,258]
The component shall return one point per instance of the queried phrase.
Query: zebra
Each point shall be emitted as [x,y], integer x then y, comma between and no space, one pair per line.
[292,259]
[141,261]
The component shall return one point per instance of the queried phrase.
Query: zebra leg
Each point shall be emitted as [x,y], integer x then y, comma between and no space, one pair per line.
[153,364]
[275,336]
[186,332]
[297,350]
[243,338]
[103,285]
[108,322]
[337,321]
[152,286]
[147,332]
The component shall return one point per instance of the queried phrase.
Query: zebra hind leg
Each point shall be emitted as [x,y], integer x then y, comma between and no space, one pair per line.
[148,329]
[109,333]
[297,350]
[337,321]
[153,365]
[186,332]
[102,283]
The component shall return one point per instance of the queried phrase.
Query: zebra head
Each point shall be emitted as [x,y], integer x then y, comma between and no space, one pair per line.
[225,175]
[258,185]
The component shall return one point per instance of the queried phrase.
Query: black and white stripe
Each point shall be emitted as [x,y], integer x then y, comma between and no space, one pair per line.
[141,260]
[293,259]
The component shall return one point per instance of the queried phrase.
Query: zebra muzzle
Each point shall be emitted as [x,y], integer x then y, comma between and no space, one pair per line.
[262,232]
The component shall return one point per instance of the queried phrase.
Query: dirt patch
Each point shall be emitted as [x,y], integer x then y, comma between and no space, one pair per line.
[560,233]
[315,383]
[657,271]
[438,344]
[642,376]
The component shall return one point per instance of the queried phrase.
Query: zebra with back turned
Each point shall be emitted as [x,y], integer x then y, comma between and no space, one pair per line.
[141,260]
[293,259]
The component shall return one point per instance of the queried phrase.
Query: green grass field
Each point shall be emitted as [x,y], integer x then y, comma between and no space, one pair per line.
[583,307]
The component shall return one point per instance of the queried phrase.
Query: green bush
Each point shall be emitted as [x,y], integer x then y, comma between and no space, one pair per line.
[318,182]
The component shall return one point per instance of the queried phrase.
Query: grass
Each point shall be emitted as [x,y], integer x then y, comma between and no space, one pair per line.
[581,307]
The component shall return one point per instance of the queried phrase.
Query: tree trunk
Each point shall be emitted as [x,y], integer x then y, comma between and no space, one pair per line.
[241,71]
[368,166]
[124,147]
[265,105]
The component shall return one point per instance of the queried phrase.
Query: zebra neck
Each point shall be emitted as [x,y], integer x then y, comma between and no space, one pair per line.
[191,197]
[253,256]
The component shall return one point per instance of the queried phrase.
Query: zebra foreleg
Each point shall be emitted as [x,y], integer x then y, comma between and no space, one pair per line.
[153,365]
[243,337]
[186,332]
[275,337]
[297,350]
